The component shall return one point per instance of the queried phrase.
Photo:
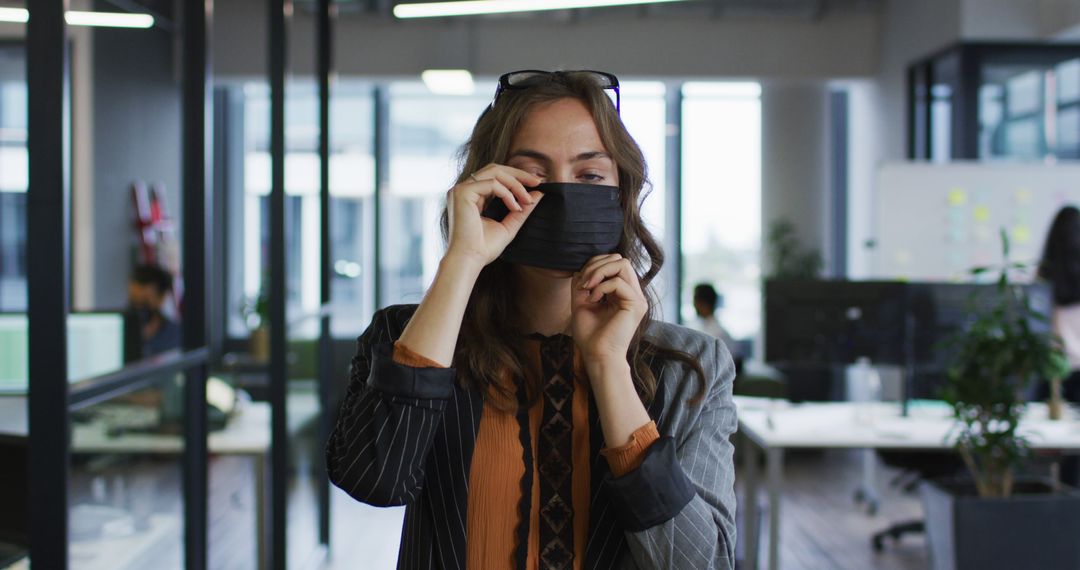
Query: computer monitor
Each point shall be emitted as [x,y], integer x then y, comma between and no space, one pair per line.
[95,344]
[832,323]
[938,311]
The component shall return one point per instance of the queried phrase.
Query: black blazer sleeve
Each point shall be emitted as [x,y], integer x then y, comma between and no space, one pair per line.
[388,418]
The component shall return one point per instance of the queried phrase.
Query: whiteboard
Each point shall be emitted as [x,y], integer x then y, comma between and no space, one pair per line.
[934,222]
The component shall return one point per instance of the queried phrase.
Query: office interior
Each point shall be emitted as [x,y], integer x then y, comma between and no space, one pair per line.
[286,161]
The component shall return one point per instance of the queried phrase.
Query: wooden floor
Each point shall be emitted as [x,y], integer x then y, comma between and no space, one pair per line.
[821,526]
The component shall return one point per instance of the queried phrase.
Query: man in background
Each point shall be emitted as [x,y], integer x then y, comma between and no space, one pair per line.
[706,303]
[148,290]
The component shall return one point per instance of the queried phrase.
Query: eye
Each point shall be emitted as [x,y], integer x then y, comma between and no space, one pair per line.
[591,177]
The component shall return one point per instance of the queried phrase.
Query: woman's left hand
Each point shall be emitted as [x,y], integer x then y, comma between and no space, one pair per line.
[607,305]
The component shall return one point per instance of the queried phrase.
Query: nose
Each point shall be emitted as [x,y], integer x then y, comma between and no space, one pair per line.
[560,174]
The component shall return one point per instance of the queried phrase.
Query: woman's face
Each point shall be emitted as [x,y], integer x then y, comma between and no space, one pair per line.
[558,142]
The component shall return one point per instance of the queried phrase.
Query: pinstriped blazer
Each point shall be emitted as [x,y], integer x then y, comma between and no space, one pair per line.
[405,436]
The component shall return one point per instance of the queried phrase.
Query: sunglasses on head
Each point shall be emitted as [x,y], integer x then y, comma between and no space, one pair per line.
[526,78]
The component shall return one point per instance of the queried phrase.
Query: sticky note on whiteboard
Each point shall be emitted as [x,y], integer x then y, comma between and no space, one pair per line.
[1021,234]
[957,197]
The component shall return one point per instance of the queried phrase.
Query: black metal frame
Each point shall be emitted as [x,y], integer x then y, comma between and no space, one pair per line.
[838,164]
[324,65]
[48,280]
[673,187]
[51,399]
[279,436]
[380,99]
[196,133]
[965,116]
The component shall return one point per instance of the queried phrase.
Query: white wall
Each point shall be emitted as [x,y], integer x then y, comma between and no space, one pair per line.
[794,157]
[911,30]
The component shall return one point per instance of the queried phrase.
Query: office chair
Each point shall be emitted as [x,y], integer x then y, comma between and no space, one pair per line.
[915,466]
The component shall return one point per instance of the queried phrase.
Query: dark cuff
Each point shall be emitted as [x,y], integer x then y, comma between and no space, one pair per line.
[395,379]
[653,493]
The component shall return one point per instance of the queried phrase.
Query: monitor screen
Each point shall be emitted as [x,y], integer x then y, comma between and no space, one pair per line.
[95,347]
[830,323]
[941,310]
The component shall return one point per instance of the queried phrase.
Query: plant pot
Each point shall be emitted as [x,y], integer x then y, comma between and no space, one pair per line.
[259,344]
[1035,528]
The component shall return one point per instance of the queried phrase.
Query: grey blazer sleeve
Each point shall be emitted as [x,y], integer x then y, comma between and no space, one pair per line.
[702,534]
[388,418]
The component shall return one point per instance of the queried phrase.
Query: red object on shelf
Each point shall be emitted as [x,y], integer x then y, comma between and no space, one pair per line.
[155,233]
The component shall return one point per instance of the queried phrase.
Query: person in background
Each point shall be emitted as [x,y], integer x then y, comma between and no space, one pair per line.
[706,303]
[1060,267]
[148,289]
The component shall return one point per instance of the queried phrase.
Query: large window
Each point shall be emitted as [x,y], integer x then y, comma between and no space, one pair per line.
[13,179]
[721,199]
[351,211]
[426,132]
[721,193]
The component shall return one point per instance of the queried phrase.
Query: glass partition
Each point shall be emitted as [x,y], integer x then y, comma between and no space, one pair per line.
[127,295]
[303,269]
[126,490]
[13,177]
[126,216]
[352,206]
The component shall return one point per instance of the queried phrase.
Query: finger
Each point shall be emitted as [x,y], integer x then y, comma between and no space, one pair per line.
[602,270]
[618,268]
[591,265]
[514,220]
[618,288]
[493,169]
[489,188]
[515,186]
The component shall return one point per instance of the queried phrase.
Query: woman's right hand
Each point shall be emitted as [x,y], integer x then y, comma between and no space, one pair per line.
[475,237]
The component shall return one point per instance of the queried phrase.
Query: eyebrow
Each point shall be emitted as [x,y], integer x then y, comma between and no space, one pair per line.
[530,153]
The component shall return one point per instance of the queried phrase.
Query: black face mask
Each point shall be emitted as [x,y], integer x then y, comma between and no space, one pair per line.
[572,223]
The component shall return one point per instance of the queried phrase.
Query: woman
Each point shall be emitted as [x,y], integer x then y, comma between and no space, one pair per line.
[530,413]
[1060,267]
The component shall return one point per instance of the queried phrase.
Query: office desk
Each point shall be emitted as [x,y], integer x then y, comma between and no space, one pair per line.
[773,426]
[247,434]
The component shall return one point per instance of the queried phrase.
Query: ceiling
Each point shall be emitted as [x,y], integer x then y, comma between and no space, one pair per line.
[811,9]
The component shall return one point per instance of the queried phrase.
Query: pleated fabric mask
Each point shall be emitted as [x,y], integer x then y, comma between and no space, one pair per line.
[572,223]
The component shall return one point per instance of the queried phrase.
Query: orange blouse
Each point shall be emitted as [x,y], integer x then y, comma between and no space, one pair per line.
[497,469]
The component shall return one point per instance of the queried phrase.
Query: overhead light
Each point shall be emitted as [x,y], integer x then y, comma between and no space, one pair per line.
[478,7]
[16,15]
[73,18]
[449,81]
[109,19]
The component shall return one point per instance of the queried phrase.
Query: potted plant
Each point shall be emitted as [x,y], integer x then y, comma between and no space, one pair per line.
[255,310]
[790,258]
[994,520]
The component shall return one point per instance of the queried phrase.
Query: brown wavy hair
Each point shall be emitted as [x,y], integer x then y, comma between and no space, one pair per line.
[489,347]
